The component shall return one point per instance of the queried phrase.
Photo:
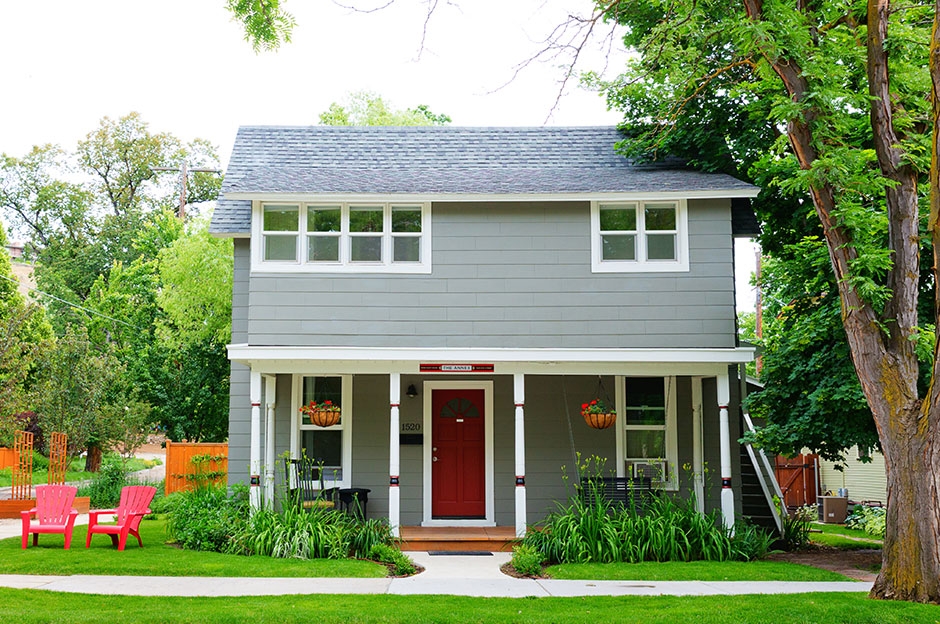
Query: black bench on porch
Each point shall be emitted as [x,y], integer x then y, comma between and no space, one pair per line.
[304,480]
[305,488]
[631,492]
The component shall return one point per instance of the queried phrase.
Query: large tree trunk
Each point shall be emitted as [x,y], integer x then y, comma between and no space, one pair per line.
[882,345]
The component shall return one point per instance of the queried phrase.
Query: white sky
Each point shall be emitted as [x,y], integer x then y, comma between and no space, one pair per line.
[185,67]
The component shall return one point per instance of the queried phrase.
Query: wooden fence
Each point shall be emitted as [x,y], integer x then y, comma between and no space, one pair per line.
[189,464]
[7,458]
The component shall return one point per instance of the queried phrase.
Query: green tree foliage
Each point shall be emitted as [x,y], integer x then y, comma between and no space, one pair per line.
[363,108]
[81,391]
[811,397]
[265,22]
[24,333]
[98,257]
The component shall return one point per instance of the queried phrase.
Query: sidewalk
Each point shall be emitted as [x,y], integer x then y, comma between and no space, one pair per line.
[457,575]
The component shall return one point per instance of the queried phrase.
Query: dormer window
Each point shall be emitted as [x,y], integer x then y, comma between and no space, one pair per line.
[640,236]
[343,237]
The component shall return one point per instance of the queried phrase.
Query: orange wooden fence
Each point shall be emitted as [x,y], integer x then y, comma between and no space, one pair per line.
[189,464]
[7,458]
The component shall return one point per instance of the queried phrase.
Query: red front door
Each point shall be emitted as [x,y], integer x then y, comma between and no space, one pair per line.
[458,454]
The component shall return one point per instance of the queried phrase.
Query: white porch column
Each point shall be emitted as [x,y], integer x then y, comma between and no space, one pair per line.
[698,463]
[254,453]
[518,383]
[394,495]
[270,391]
[727,494]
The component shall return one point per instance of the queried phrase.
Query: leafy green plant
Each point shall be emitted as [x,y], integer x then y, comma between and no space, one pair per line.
[206,517]
[590,528]
[385,553]
[104,489]
[869,519]
[526,560]
[796,527]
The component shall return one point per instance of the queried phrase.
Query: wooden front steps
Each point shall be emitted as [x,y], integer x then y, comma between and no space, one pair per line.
[475,539]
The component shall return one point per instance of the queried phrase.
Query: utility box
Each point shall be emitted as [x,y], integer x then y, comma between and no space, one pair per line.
[834,509]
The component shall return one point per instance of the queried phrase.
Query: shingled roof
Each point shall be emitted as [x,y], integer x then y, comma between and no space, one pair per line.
[439,162]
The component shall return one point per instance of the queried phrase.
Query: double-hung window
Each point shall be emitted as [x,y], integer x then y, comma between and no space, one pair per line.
[641,236]
[649,429]
[331,446]
[350,237]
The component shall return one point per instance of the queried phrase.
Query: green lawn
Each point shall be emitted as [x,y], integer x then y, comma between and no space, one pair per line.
[693,571]
[24,606]
[841,537]
[160,559]
[76,471]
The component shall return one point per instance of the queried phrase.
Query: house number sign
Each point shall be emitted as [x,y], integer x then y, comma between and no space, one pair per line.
[456,368]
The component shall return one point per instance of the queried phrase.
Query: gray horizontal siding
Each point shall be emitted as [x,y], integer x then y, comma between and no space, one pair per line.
[508,275]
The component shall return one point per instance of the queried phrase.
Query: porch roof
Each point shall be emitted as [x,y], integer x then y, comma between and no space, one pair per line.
[289,359]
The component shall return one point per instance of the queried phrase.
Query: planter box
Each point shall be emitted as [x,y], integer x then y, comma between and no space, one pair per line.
[12,508]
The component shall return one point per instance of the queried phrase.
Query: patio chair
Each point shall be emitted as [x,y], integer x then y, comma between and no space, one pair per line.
[134,505]
[53,513]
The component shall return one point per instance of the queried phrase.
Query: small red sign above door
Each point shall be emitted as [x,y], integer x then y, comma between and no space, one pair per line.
[457,368]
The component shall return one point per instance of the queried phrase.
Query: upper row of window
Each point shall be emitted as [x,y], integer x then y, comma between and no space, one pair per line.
[625,236]
[344,234]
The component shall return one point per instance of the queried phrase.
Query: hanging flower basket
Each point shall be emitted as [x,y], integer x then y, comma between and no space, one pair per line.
[597,414]
[323,414]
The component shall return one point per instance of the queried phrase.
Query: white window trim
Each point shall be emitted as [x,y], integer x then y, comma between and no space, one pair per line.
[672,446]
[300,265]
[297,426]
[641,265]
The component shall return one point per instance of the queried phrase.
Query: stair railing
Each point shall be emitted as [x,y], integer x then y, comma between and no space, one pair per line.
[767,478]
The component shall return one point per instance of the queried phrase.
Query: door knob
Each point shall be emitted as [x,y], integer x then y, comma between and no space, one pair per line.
[434,459]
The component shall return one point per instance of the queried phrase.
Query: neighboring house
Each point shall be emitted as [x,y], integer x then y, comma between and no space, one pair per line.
[865,481]
[460,292]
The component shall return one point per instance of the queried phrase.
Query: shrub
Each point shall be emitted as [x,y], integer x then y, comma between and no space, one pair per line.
[526,560]
[868,519]
[385,553]
[665,529]
[750,542]
[308,534]
[104,489]
[796,527]
[206,517]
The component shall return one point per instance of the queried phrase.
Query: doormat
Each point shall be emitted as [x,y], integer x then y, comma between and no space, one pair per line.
[459,553]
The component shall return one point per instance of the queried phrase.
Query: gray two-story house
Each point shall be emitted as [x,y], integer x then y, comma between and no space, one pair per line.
[461,293]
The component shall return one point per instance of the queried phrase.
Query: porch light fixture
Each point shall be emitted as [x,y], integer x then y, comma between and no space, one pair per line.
[412,392]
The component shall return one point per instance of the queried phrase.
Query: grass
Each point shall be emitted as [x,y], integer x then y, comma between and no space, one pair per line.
[25,606]
[76,471]
[160,559]
[693,571]
[838,536]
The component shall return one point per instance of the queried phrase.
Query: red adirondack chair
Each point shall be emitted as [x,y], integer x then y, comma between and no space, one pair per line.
[53,513]
[134,505]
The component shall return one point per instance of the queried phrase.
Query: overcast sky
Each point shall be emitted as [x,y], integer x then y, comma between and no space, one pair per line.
[186,68]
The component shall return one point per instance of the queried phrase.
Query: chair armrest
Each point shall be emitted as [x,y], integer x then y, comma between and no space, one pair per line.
[26,514]
[94,513]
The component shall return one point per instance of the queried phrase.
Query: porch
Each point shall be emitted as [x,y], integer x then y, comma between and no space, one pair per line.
[520,410]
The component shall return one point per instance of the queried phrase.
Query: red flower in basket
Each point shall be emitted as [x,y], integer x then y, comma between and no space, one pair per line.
[323,414]
[598,414]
